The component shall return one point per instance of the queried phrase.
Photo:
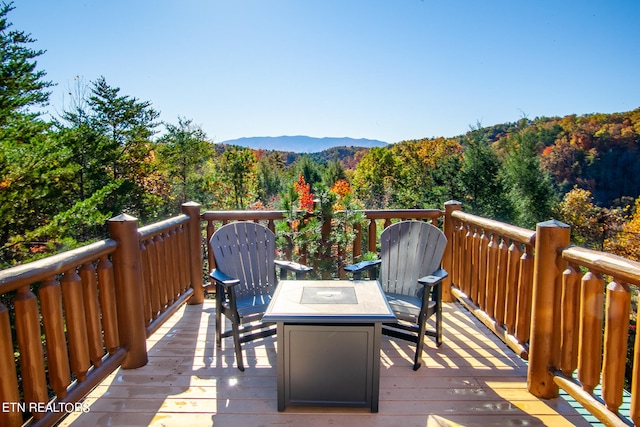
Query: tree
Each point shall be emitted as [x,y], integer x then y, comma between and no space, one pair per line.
[429,170]
[480,178]
[309,170]
[183,151]
[374,178]
[126,122]
[626,242]
[332,173]
[529,188]
[22,85]
[578,210]
[238,166]
[125,150]
[447,184]
[413,175]
[33,166]
[270,177]
[83,140]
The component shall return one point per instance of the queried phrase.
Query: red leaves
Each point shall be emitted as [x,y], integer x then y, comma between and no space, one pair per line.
[304,193]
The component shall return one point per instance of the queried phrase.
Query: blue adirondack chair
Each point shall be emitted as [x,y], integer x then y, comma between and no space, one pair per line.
[411,277]
[245,279]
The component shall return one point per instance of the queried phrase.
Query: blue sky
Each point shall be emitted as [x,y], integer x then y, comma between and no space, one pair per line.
[381,69]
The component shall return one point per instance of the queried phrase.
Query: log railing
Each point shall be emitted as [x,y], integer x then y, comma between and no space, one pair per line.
[581,321]
[75,317]
[492,274]
[70,300]
[165,269]
[68,321]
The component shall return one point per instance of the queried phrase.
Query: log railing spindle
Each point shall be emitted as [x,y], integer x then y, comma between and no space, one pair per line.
[590,350]
[92,312]
[53,322]
[107,288]
[34,383]
[76,323]
[9,384]
[618,303]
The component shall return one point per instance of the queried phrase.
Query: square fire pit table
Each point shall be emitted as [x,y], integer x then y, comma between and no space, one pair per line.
[328,341]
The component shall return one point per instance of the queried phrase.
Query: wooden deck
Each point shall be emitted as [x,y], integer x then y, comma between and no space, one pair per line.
[471,380]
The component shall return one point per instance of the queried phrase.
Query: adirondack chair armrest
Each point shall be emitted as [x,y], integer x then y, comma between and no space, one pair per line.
[222,279]
[299,269]
[434,278]
[362,266]
[359,268]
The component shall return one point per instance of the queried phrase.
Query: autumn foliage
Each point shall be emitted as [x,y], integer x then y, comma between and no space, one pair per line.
[305,196]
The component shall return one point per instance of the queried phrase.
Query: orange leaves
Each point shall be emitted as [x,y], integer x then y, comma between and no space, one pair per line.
[304,193]
[341,187]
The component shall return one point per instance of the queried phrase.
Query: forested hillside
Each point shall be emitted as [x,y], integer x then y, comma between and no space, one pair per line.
[62,179]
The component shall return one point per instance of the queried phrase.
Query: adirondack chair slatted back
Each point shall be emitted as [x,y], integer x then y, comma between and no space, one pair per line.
[246,251]
[409,250]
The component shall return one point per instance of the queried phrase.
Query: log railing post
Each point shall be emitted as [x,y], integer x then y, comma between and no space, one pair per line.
[544,347]
[129,294]
[192,210]
[447,258]
[9,385]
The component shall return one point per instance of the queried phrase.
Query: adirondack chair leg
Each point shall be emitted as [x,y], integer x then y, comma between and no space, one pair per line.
[437,296]
[237,345]
[438,323]
[218,324]
[420,344]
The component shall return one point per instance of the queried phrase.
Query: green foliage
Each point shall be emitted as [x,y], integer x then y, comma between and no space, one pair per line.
[32,166]
[22,84]
[126,123]
[309,169]
[33,187]
[238,166]
[447,182]
[530,189]
[480,178]
[375,178]
[413,183]
[270,177]
[109,135]
[183,152]
[80,223]
[332,173]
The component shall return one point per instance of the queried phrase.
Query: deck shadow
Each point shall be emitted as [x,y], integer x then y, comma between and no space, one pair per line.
[472,379]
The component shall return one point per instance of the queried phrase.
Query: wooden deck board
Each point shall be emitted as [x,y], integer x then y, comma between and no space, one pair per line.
[473,379]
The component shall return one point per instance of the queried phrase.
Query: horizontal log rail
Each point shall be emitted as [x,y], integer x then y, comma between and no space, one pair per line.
[594,311]
[26,274]
[492,275]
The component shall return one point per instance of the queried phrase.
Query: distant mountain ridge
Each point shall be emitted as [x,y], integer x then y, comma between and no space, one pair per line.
[302,144]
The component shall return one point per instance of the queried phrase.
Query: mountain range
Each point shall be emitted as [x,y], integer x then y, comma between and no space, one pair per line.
[302,144]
